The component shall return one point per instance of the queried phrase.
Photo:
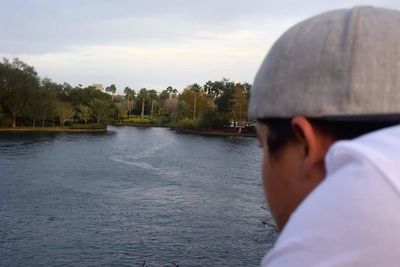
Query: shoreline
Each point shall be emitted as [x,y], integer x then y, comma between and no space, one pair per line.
[216,133]
[141,125]
[66,130]
[179,129]
[49,129]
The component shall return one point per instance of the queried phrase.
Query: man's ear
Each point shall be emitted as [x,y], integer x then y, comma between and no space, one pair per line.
[314,143]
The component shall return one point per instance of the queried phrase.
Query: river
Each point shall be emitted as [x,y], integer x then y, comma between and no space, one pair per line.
[131,195]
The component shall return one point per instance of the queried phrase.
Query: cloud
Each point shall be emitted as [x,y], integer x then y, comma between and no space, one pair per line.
[151,43]
[42,26]
[205,56]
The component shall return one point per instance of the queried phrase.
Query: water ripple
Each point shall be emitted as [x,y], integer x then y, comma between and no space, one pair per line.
[131,195]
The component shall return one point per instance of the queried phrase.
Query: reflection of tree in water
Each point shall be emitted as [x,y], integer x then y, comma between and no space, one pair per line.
[24,143]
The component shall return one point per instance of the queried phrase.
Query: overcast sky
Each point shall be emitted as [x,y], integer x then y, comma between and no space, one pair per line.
[151,43]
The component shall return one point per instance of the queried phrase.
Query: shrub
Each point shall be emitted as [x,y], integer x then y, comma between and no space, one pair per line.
[87,126]
[213,119]
[155,121]
[6,122]
[165,120]
[189,124]
[137,120]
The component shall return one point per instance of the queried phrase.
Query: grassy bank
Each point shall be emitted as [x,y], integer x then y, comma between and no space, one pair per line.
[54,129]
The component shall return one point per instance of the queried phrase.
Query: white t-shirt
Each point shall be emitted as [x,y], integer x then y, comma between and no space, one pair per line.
[353,217]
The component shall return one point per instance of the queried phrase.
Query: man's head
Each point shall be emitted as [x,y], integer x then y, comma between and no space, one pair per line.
[293,156]
[332,77]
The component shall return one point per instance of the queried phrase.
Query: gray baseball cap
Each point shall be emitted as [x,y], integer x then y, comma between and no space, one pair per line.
[340,64]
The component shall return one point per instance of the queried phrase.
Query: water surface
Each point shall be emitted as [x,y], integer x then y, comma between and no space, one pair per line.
[131,195]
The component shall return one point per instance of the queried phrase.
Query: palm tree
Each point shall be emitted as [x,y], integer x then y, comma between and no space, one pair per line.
[129,96]
[195,88]
[164,95]
[112,89]
[142,97]
[152,95]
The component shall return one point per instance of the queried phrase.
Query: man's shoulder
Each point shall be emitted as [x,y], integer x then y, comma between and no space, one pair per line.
[383,142]
[379,151]
[351,218]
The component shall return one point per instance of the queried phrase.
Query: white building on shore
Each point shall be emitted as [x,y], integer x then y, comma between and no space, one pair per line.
[98,86]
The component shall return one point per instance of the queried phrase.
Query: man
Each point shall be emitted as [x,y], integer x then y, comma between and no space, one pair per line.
[327,102]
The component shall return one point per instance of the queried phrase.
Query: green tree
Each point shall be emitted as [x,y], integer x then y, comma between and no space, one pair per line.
[214,89]
[239,105]
[65,111]
[84,96]
[247,89]
[18,81]
[42,104]
[121,110]
[63,91]
[84,113]
[221,92]
[212,119]
[196,99]
[182,111]
[101,110]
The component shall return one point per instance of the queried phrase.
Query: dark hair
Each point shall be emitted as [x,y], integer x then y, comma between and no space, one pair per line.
[281,132]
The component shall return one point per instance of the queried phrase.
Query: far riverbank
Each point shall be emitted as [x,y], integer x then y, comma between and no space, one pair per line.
[50,129]
[217,133]
[142,125]
[211,132]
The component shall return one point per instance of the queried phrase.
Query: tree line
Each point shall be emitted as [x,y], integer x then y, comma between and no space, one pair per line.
[26,99]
